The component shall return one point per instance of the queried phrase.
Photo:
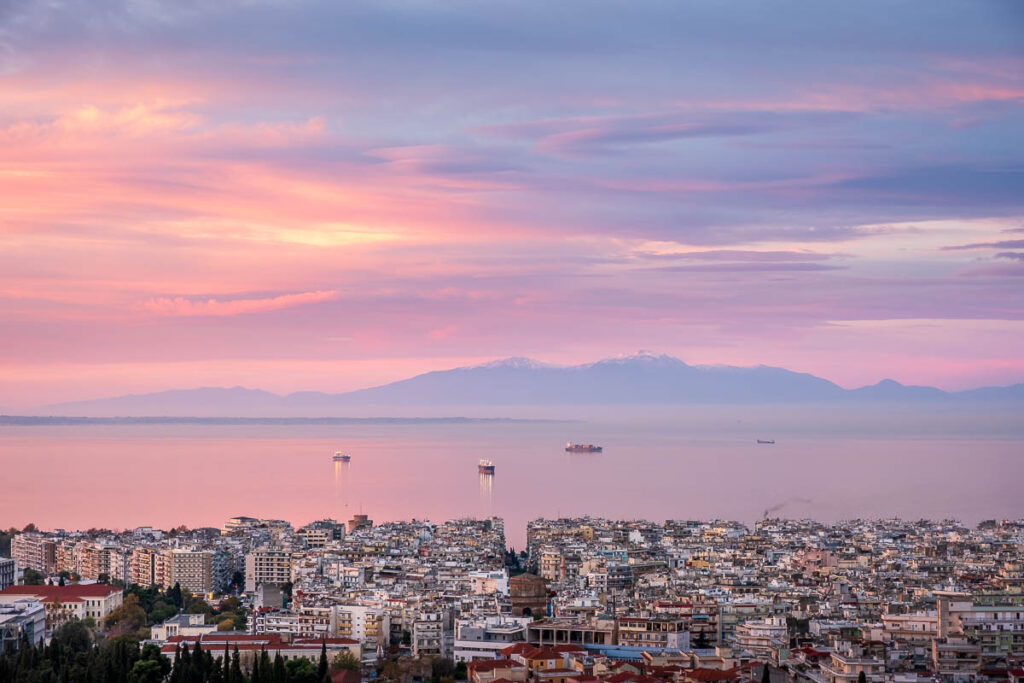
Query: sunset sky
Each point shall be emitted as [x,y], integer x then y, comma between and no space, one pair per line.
[329,195]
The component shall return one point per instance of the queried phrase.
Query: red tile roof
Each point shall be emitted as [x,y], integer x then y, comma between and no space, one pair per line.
[248,642]
[711,675]
[492,664]
[346,676]
[70,593]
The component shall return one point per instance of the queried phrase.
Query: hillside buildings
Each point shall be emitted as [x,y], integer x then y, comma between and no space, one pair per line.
[590,599]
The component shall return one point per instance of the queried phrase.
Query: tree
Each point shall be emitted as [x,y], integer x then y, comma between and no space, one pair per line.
[461,673]
[862,678]
[346,661]
[196,605]
[766,676]
[701,642]
[321,669]
[226,664]
[127,617]
[229,604]
[145,671]
[226,624]
[301,670]
[280,672]
[73,636]
[175,595]
[441,668]
[32,577]
[236,667]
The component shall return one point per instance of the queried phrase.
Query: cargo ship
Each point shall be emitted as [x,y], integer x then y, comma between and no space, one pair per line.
[341,457]
[582,448]
[767,441]
[485,467]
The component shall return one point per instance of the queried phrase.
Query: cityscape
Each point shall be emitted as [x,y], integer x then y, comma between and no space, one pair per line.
[587,599]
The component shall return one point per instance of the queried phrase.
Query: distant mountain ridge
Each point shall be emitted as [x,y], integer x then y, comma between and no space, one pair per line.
[637,380]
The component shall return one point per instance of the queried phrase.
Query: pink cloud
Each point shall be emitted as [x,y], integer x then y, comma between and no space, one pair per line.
[180,306]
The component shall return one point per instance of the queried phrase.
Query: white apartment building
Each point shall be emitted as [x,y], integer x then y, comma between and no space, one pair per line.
[485,583]
[23,617]
[763,639]
[486,637]
[371,626]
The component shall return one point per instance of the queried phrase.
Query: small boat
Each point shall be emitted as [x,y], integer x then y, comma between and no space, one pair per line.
[582,448]
[485,467]
[767,441]
[341,457]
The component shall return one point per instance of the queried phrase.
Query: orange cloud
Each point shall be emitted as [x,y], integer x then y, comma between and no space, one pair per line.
[180,306]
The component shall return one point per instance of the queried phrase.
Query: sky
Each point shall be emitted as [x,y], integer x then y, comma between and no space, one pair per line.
[330,195]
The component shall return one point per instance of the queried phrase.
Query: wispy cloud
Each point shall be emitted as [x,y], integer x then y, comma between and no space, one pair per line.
[1002,244]
[182,306]
[733,255]
[179,178]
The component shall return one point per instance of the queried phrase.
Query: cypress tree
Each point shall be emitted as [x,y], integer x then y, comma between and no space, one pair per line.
[766,676]
[236,667]
[280,673]
[176,676]
[226,664]
[321,670]
[862,678]
[266,672]
[198,663]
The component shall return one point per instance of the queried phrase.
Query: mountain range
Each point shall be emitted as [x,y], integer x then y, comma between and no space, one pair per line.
[643,379]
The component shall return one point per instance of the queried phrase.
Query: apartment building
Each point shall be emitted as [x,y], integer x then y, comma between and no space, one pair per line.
[762,639]
[190,569]
[654,632]
[486,636]
[370,626]
[267,565]
[8,572]
[35,551]
[428,635]
[847,663]
[994,621]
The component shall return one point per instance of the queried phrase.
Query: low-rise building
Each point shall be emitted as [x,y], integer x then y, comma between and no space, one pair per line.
[182,625]
[485,637]
[23,618]
[63,603]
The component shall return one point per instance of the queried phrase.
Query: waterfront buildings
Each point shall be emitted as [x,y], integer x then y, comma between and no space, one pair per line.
[591,599]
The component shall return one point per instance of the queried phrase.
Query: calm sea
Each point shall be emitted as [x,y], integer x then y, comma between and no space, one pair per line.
[126,476]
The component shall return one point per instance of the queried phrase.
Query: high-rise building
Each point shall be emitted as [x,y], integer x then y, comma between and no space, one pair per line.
[35,551]
[190,569]
[267,565]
